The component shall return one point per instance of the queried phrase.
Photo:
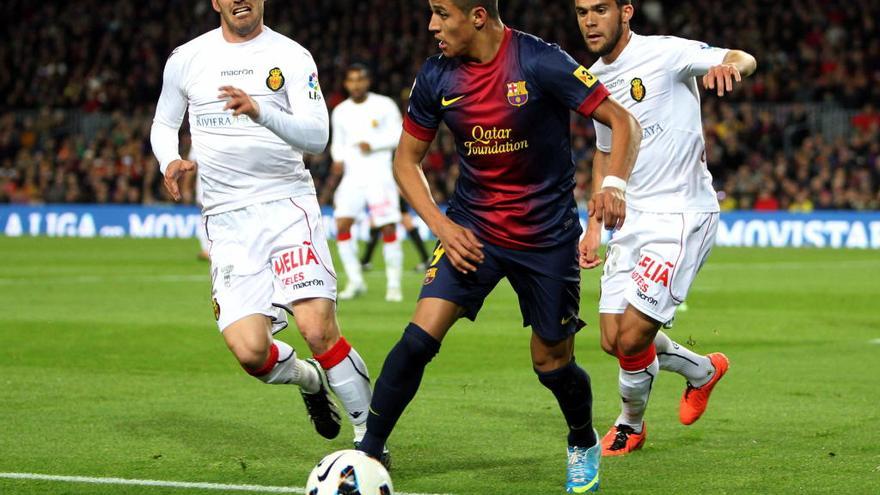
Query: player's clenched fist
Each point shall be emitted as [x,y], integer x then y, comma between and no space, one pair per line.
[609,207]
[721,77]
[462,247]
[588,250]
[239,102]
[173,173]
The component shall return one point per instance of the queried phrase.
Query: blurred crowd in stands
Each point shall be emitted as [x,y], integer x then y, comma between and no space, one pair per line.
[81,79]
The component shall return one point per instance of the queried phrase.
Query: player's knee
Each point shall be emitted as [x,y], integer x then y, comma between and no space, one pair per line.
[249,343]
[608,345]
[320,332]
[632,343]
[250,357]
[608,333]
[549,361]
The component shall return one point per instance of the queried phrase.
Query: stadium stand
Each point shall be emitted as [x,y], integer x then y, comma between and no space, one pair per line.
[802,134]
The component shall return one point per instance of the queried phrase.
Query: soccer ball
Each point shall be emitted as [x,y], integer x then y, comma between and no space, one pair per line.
[349,472]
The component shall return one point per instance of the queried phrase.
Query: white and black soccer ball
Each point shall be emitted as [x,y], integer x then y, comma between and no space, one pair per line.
[349,472]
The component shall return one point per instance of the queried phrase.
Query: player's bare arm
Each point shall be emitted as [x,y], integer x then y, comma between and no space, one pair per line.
[239,102]
[462,247]
[608,205]
[175,171]
[736,65]
[588,248]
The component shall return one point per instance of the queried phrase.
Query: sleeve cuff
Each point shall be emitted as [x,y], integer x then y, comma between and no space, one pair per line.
[417,131]
[593,100]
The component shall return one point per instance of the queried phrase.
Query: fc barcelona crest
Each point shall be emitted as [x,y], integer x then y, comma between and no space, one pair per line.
[517,94]
[275,80]
[637,89]
[430,275]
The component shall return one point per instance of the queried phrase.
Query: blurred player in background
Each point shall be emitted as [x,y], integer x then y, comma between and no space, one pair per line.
[269,253]
[366,128]
[412,233]
[672,209]
[506,96]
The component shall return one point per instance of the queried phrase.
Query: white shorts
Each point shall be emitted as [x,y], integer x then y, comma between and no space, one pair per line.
[266,256]
[653,260]
[379,198]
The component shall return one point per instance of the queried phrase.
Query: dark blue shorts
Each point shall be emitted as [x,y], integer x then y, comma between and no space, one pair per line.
[546,281]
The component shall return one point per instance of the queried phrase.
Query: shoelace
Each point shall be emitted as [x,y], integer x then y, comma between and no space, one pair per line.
[577,465]
[623,433]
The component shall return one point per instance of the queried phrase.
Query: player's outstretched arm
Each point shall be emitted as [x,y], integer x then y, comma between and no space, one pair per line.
[462,247]
[736,65]
[608,205]
[588,248]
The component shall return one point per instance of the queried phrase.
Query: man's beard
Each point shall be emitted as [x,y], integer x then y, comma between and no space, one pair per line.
[609,47]
[244,29]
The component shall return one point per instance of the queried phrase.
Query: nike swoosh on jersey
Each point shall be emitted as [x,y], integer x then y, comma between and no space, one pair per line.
[446,102]
[566,320]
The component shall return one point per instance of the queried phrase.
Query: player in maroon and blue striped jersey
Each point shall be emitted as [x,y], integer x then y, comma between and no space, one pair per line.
[507,97]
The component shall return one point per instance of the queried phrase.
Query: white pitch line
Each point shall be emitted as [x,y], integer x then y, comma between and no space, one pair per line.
[874,341]
[790,265]
[167,484]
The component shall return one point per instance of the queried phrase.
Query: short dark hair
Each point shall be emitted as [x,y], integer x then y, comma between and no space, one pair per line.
[491,6]
[621,3]
[359,67]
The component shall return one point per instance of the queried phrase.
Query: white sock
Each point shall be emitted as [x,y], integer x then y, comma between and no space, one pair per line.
[393,253]
[350,262]
[359,431]
[635,387]
[289,369]
[350,381]
[696,369]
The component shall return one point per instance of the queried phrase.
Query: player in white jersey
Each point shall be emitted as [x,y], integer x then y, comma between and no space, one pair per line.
[268,253]
[672,210]
[366,128]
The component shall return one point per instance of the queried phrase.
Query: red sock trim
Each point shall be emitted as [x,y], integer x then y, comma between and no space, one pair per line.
[389,237]
[270,363]
[343,236]
[335,355]
[639,361]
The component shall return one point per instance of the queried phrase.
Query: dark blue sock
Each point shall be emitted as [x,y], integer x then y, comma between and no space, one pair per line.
[571,386]
[397,385]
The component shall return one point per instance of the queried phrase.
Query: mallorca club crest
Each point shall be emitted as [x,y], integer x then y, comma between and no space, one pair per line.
[216,308]
[517,94]
[637,89]
[275,81]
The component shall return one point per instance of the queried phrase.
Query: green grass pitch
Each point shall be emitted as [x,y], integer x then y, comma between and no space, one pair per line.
[111,366]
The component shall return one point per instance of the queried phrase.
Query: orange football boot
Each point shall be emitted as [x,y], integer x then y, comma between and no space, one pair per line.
[622,439]
[695,399]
